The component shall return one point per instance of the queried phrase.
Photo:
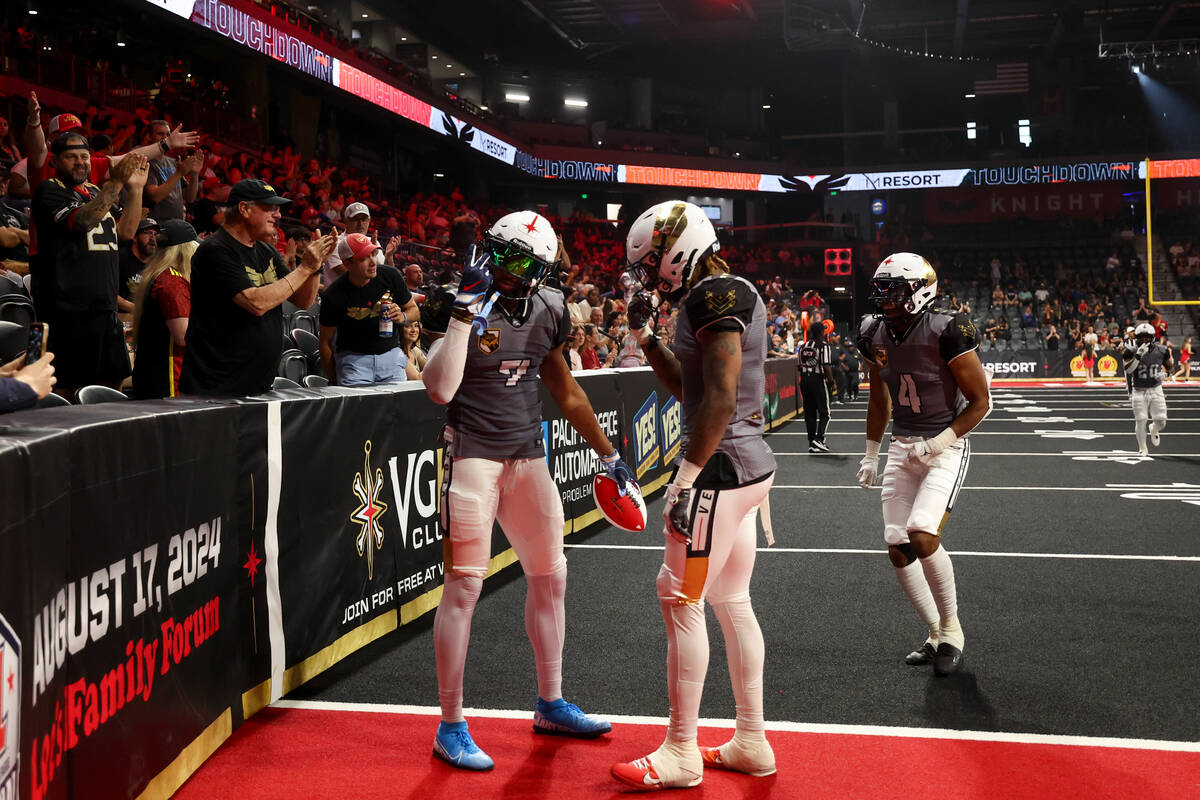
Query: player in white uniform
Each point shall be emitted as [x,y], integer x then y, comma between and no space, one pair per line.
[715,368]
[1147,363]
[487,368]
[926,376]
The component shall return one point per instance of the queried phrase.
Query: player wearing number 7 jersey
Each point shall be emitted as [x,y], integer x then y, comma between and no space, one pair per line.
[486,369]
[927,378]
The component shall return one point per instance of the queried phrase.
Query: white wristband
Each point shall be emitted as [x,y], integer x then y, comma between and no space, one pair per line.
[946,438]
[872,449]
[687,474]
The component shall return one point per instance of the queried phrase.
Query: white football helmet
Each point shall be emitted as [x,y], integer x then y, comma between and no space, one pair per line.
[1144,333]
[666,242]
[524,253]
[906,280]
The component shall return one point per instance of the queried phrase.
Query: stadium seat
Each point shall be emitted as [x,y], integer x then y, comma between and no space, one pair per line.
[13,339]
[304,320]
[315,381]
[96,394]
[18,309]
[52,400]
[283,383]
[9,286]
[293,366]
[311,347]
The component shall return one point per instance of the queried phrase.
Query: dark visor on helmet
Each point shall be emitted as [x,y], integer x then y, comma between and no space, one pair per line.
[517,262]
[895,290]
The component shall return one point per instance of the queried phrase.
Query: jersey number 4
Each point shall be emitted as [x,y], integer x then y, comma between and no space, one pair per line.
[908,393]
[514,369]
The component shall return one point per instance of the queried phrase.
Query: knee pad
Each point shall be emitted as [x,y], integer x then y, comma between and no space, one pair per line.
[906,551]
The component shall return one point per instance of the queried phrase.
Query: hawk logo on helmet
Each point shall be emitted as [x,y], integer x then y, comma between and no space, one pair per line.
[881,356]
[489,341]
[531,226]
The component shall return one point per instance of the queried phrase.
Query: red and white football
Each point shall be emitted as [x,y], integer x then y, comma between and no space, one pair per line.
[628,512]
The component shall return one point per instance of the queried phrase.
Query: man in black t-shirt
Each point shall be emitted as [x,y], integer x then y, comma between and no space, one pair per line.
[75,269]
[239,283]
[355,308]
[131,260]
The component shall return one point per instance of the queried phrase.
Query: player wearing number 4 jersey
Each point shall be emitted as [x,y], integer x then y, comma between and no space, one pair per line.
[486,368]
[926,376]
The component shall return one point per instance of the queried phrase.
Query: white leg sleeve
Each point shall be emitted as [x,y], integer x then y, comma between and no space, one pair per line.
[687,659]
[1158,408]
[451,634]
[546,625]
[745,651]
[447,359]
[916,588]
[939,573]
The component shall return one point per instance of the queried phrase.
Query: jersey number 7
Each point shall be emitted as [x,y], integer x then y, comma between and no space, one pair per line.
[514,369]
[908,393]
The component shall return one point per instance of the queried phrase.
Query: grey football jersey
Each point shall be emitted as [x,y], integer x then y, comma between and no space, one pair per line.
[1149,371]
[497,412]
[727,303]
[916,368]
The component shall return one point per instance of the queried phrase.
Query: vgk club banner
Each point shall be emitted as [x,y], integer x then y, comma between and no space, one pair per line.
[116,634]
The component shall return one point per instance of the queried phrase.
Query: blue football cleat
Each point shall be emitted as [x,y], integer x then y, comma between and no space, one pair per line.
[565,719]
[454,745]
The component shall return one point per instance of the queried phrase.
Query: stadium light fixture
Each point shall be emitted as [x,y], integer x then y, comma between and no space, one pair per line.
[575,102]
[483,108]
[516,97]
[766,107]
[434,58]
[971,130]
[1136,69]
[364,16]
[969,95]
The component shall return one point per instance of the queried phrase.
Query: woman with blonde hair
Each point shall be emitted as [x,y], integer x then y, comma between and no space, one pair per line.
[410,343]
[162,306]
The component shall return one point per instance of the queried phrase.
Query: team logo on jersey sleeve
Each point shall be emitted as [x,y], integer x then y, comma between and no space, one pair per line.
[720,302]
[489,341]
[881,356]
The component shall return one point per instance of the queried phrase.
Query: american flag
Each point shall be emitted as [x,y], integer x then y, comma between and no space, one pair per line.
[1010,79]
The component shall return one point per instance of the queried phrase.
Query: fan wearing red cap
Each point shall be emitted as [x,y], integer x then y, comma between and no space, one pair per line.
[360,311]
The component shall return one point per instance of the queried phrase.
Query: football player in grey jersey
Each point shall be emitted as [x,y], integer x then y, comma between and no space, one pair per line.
[486,368]
[926,377]
[1146,364]
[715,368]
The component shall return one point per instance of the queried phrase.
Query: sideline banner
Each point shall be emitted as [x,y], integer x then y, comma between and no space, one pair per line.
[168,568]
[1050,364]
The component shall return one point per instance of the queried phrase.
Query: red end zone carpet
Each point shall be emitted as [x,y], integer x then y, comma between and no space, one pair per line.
[318,754]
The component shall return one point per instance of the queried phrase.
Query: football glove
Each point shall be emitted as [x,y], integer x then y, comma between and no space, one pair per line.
[928,449]
[640,310]
[1142,350]
[619,471]
[678,513]
[868,472]
[476,279]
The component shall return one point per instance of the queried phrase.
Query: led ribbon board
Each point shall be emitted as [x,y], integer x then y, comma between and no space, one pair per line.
[247,25]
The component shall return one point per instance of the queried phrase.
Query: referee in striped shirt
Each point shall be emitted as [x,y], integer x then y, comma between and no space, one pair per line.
[816,378]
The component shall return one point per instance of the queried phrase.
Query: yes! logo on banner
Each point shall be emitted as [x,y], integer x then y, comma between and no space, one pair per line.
[10,710]
[645,435]
[369,513]
[672,429]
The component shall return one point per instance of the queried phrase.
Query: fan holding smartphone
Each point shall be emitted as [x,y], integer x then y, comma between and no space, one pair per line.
[29,377]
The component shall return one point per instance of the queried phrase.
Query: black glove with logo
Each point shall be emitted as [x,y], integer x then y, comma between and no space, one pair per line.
[678,513]
[640,310]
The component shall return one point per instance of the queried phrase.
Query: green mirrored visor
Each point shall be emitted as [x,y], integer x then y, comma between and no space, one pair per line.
[517,262]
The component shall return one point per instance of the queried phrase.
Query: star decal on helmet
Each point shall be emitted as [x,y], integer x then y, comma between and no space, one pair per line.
[531,226]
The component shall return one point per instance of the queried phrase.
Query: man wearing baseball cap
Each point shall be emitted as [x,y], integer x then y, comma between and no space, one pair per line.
[358,220]
[365,308]
[131,259]
[239,284]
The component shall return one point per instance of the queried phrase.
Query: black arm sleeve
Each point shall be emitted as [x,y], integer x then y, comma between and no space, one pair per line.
[721,304]
[958,337]
[866,336]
